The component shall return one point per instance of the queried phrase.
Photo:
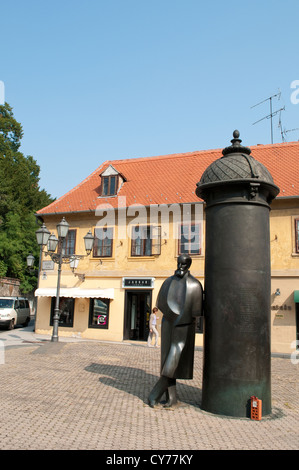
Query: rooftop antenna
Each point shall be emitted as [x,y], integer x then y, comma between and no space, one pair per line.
[272,113]
[284,131]
[289,130]
[280,127]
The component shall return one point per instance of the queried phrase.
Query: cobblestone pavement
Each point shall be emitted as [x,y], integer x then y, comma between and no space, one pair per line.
[93,395]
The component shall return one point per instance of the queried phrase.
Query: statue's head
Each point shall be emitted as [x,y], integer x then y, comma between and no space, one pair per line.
[184,263]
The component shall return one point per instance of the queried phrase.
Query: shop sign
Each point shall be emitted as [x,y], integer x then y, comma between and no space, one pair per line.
[281,307]
[138,283]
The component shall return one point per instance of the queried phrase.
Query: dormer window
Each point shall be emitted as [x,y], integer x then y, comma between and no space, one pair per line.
[109,185]
[111,181]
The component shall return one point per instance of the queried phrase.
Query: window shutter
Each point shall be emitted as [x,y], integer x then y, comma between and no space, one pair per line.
[156,239]
[133,243]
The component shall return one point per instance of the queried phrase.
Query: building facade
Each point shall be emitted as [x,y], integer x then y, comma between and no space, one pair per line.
[144,213]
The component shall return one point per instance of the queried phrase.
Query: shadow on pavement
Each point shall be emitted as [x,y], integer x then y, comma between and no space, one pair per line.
[139,383]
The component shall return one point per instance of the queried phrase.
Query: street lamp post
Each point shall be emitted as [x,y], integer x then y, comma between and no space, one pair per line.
[56,310]
[62,231]
[59,258]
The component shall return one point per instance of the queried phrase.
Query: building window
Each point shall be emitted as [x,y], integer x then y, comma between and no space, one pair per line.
[146,240]
[109,185]
[69,243]
[66,307]
[297,235]
[99,313]
[189,240]
[103,242]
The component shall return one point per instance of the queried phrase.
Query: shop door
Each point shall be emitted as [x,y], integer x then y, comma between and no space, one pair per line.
[137,312]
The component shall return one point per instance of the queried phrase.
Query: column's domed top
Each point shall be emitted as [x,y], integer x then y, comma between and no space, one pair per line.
[236,163]
[236,168]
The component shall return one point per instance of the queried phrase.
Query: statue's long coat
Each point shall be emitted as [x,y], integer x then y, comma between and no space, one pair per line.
[180,301]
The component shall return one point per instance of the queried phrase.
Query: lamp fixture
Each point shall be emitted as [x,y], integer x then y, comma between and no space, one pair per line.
[73,265]
[62,228]
[88,242]
[42,235]
[30,260]
[52,243]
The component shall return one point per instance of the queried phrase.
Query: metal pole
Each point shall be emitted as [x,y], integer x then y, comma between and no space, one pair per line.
[39,264]
[38,275]
[56,310]
[271,120]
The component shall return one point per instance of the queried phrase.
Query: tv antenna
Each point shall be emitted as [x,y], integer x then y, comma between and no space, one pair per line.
[285,131]
[281,129]
[272,113]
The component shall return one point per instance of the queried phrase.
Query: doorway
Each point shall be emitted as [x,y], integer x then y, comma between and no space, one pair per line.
[297,325]
[137,313]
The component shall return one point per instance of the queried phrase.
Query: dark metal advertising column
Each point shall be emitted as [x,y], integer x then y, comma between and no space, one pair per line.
[238,191]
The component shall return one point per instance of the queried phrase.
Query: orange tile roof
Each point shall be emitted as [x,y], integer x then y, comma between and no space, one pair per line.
[172,179]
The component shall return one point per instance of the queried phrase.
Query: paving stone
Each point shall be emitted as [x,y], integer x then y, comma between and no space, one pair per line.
[93,395]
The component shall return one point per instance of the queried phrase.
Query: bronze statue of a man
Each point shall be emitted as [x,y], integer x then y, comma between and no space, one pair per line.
[180,300]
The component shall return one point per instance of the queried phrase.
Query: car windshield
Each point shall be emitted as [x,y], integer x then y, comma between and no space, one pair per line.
[6,303]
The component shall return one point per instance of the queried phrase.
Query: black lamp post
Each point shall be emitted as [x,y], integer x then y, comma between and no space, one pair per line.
[62,231]
[59,258]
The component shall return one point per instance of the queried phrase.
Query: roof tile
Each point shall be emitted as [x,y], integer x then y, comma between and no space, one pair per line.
[171,179]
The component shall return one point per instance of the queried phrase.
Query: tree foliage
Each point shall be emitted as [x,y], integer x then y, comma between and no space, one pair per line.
[20,198]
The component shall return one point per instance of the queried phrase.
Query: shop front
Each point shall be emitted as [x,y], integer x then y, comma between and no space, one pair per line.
[81,310]
[137,307]
[119,311]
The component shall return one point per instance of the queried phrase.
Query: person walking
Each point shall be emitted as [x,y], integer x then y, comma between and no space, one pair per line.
[153,329]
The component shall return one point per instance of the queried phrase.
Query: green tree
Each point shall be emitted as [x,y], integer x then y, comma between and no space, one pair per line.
[20,198]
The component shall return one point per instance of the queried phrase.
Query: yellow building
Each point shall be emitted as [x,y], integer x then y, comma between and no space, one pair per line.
[144,213]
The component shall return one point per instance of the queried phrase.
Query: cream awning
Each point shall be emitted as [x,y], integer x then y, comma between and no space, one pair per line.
[75,292]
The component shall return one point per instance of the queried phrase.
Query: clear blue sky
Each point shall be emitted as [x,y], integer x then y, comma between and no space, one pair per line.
[95,80]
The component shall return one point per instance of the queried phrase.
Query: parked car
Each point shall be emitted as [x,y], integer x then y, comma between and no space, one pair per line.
[14,311]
